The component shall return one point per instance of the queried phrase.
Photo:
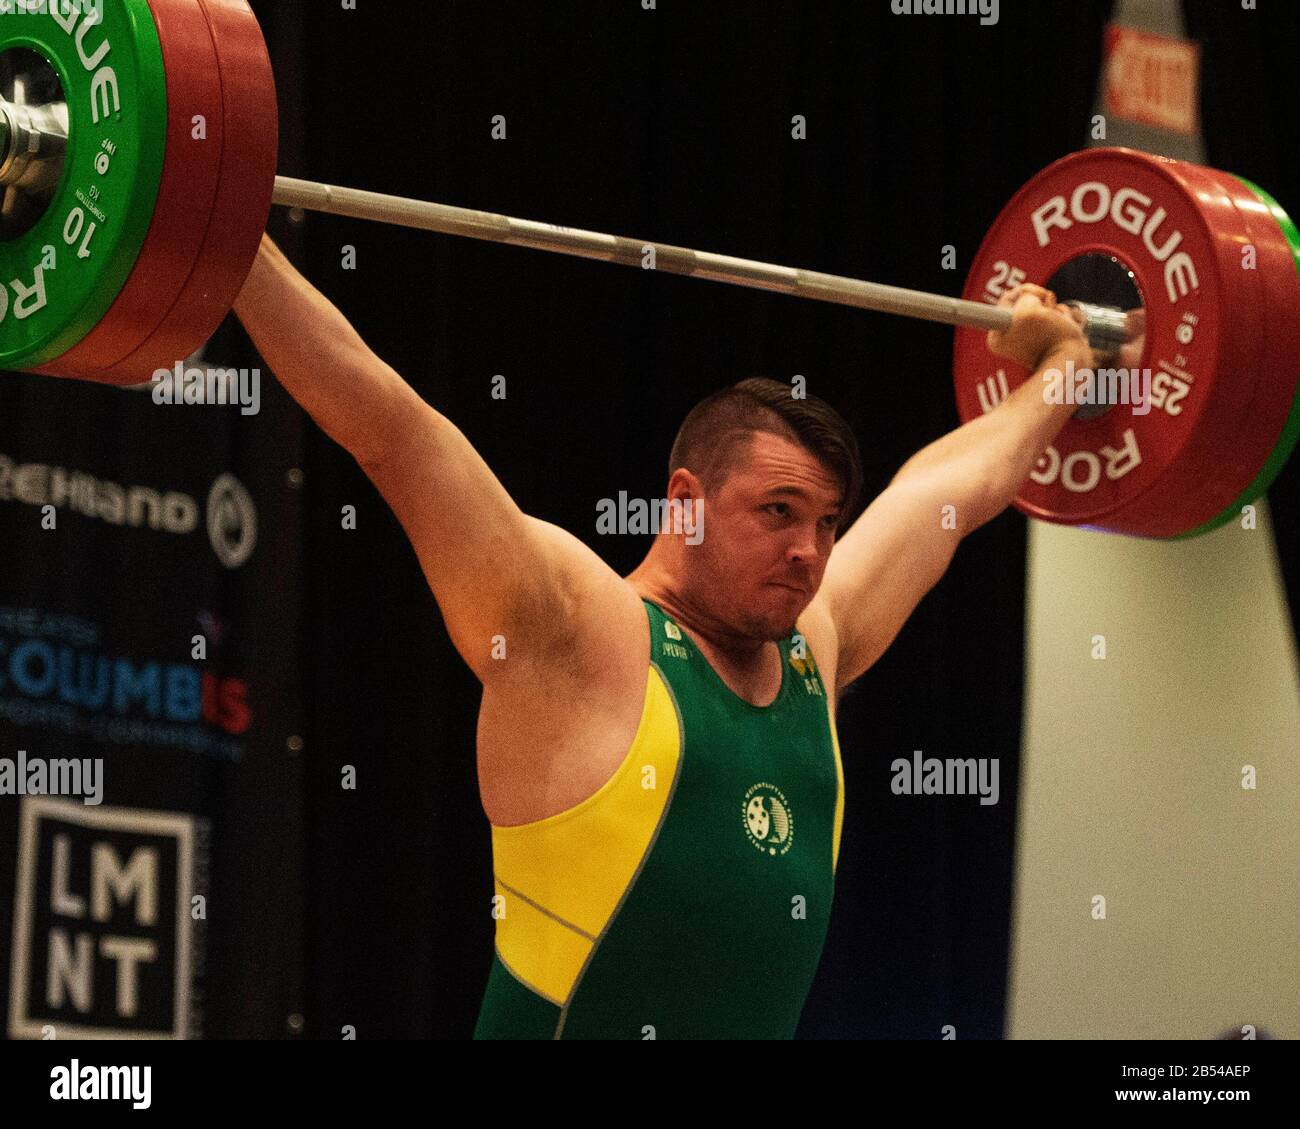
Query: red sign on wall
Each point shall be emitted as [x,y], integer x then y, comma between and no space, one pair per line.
[1152,79]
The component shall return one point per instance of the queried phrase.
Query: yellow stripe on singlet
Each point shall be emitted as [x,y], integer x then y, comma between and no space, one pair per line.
[563,877]
[839,787]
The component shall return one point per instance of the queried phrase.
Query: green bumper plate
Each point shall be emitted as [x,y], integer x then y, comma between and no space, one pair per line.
[60,277]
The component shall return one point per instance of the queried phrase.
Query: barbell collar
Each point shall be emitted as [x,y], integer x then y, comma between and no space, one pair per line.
[1106,327]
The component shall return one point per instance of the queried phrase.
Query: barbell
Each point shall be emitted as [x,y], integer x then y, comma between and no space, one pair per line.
[138,141]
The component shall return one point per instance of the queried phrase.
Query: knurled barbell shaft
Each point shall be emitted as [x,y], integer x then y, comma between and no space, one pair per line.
[472,224]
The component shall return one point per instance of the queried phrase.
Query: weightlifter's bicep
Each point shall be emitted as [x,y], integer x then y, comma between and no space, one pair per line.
[494,572]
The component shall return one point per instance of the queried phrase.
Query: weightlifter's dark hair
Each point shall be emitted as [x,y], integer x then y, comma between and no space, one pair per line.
[716,434]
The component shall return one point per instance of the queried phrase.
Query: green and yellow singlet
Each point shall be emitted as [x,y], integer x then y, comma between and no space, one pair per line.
[688,898]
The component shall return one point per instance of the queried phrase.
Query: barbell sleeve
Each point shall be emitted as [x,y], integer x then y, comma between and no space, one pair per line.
[450,220]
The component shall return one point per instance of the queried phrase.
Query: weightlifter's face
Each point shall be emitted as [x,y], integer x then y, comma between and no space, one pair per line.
[768,534]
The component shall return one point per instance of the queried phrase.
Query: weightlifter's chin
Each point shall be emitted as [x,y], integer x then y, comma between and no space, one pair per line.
[780,614]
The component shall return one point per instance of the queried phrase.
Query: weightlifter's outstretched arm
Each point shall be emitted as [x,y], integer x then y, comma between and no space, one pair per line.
[899,549]
[493,569]
[320,359]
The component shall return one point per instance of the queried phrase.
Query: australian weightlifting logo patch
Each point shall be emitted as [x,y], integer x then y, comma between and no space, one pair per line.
[674,648]
[769,822]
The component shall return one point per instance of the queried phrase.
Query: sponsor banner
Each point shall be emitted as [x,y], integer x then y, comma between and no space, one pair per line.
[1152,79]
[150,628]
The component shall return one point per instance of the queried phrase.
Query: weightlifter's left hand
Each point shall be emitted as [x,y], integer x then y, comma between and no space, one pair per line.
[1041,328]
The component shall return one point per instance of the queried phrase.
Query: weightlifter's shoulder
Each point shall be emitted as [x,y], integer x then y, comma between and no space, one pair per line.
[584,609]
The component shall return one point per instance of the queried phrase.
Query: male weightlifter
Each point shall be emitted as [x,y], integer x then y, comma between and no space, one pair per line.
[657,754]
